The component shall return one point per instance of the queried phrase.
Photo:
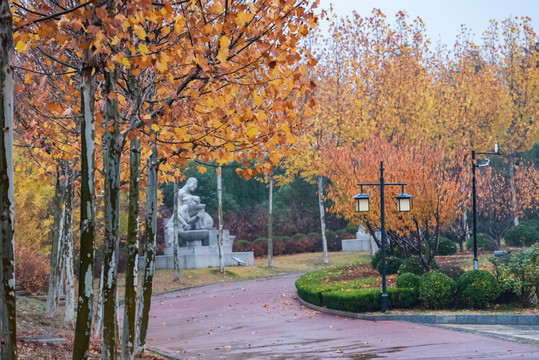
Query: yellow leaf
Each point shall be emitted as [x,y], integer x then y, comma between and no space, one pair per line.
[257,99]
[155,128]
[143,49]
[252,132]
[201,169]
[20,46]
[125,62]
[224,41]
[140,32]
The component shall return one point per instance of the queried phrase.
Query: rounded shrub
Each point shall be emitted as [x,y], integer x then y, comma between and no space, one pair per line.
[408,280]
[437,290]
[412,265]
[453,271]
[477,288]
[260,239]
[376,259]
[298,236]
[314,235]
[446,246]
[392,265]
[521,235]
[484,242]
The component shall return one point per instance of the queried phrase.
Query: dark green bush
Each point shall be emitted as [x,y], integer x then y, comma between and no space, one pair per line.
[521,235]
[314,234]
[412,265]
[484,242]
[477,288]
[361,300]
[298,236]
[258,240]
[242,243]
[376,259]
[518,274]
[453,271]
[409,281]
[340,232]
[392,265]
[331,234]
[446,246]
[351,229]
[437,290]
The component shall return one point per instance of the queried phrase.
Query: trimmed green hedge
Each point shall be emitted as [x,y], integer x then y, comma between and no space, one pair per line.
[349,295]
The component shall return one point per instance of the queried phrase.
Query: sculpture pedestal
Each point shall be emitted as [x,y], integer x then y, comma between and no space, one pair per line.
[362,242]
[199,249]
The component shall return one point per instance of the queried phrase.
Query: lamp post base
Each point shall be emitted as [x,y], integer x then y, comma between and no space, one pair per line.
[475,264]
[384,303]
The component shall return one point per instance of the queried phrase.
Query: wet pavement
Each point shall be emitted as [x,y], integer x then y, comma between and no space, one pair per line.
[262,319]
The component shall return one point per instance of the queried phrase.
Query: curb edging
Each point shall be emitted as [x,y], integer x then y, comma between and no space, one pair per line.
[457,319]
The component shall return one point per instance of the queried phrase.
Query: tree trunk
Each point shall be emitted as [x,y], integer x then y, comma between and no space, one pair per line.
[7,188]
[55,271]
[270,223]
[514,204]
[131,272]
[175,228]
[151,228]
[112,158]
[98,309]
[87,213]
[67,248]
[322,220]
[220,216]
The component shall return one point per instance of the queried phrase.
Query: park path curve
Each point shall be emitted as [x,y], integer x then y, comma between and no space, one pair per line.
[262,319]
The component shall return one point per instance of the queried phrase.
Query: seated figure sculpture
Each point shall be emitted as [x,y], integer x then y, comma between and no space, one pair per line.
[191,213]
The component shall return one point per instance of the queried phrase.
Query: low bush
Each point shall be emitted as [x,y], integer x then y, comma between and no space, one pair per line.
[477,288]
[521,235]
[376,259]
[392,265]
[351,229]
[314,234]
[437,290]
[408,280]
[260,239]
[412,265]
[484,242]
[298,236]
[446,246]
[518,275]
[31,270]
[453,271]
[370,299]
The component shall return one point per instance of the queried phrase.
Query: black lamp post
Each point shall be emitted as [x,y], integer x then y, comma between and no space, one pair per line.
[474,205]
[404,203]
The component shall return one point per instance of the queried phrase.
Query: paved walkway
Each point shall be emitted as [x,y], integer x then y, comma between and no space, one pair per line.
[262,319]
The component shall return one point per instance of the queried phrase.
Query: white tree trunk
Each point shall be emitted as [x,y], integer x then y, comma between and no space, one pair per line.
[176,225]
[69,318]
[322,219]
[270,222]
[220,216]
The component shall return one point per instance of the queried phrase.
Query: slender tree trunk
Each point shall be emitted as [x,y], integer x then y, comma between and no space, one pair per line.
[270,223]
[7,188]
[67,249]
[98,309]
[54,274]
[220,216]
[131,272]
[87,214]
[112,158]
[514,203]
[151,228]
[322,220]
[175,228]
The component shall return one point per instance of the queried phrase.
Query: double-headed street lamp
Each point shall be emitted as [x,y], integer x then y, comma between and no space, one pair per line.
[404,203]
[474,206]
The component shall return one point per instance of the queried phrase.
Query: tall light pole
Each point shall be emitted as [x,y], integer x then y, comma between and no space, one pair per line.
[404,204]
[474,202]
